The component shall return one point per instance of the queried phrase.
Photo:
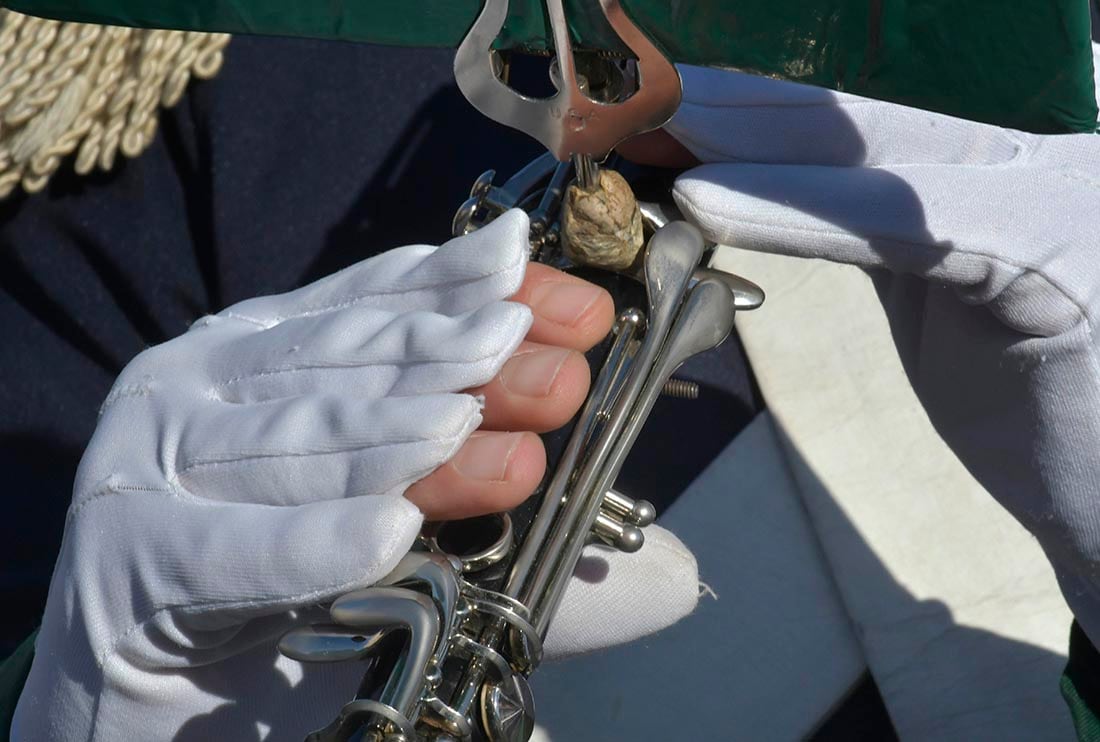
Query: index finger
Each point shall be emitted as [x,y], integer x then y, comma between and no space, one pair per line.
[569,312]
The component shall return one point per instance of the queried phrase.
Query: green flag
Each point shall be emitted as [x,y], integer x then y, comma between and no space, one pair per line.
[1025,64]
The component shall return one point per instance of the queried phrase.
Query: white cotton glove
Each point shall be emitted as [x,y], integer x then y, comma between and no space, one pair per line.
[984,244]
[251,470]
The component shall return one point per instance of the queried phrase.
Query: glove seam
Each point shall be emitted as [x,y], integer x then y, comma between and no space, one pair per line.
[1080,178]
[450,441]
[126,391]
[228,314]
[114,489]
[347,302]
[341,366]
[684,559]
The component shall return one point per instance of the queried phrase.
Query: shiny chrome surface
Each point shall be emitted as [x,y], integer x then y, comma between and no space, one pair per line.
[613,532]
[588,171]
[487,201]
[746,294]
[532,550]
[492,554]
[568,123]
[705,320]
[656,215]
[329,643]
[361,713]
[638,512]
[473,626]
[508,710]
[397,608]
[669,263]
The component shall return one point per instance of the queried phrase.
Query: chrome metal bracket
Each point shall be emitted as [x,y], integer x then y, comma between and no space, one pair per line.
[569,122]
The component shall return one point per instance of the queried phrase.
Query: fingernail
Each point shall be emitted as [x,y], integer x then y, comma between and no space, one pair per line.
[564,303]
[485,456]
[532,374]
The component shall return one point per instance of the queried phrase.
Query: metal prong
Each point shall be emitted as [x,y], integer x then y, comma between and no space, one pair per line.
[463,219]
[491,201]
[483,183]
[543,216]
[638,512]
[746,294]
[520,185]
[588,172]
[329,643]
[657,214]
[616,533]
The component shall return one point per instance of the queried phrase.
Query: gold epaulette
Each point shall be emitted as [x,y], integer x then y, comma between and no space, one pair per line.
[92,90]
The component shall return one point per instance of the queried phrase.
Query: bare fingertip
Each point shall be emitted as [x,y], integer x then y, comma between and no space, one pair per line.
[527,465]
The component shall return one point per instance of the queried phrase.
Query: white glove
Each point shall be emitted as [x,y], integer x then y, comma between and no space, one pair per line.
[251,470]
[983,245]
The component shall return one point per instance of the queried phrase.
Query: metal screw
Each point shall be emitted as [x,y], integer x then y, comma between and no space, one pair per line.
[681,389]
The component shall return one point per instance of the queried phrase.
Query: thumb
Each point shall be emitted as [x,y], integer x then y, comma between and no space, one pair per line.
[847,215]
[1010,238]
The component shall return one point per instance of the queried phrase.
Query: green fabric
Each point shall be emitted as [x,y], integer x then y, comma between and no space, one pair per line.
[13,674]
[1080,685]
[1025,64]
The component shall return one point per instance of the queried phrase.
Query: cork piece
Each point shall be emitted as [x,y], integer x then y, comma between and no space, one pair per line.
[602,227]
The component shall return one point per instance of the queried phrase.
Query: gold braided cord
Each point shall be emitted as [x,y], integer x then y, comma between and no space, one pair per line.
[86,90]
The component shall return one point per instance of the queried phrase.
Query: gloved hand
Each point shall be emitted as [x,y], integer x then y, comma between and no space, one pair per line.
[982,243]
[253,469]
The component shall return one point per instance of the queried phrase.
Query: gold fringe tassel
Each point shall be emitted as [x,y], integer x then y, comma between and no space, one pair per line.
[95,91]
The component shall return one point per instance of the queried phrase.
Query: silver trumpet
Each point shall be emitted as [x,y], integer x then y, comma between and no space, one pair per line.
[450,637]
